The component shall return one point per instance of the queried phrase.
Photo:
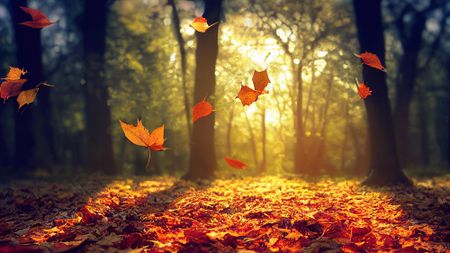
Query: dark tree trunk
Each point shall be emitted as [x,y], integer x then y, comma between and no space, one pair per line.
[33,129]
[98,114]
[447,153]
[4,149]
[183,58]
[384,165]
[405,85]
[423,127]
[202,162]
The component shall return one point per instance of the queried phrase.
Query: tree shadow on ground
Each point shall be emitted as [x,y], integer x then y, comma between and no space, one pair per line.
[40,206]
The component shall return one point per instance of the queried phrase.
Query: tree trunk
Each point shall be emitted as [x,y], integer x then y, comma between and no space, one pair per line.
[202,162]
[183,58]
[263,165]
[384,165]
[447,153]
[252,140]
[4,150]
[405,85]
[423,126]
[229,128]
[346,133]
[33,129]
[310,94]
[299,150]
[98,113]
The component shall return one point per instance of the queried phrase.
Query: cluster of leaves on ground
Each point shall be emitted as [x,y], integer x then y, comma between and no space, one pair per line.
[252,214]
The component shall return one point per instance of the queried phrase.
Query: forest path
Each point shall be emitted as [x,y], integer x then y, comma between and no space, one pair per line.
[257,214]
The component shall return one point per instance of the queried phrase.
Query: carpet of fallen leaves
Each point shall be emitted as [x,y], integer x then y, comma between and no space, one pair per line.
[247,215]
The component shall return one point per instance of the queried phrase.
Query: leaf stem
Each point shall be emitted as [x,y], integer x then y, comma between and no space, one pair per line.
[149,158]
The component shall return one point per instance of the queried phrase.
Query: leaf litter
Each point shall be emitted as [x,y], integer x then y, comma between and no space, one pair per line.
[260,214]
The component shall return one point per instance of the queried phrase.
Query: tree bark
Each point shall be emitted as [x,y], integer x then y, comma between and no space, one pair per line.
[252,140]
[384,164]
[263,165]
[98,113]
[202,164]
[406,83]
[33,129]
[299,150]
[229,128]
[183,58]
[423,126]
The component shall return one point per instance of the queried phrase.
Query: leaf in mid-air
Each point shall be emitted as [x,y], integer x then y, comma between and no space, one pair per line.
[371,60]
[200,24]
[140,136]
[11,88]
[14,74]
[235,163]
[39,19]
[29,96]
[260,80]
[247,95]
[364,91]
[201,109]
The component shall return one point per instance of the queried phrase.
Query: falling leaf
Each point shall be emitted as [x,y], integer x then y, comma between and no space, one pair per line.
[28,96]
[364,91]
[371,60]
[260,80]
[235,163]
[140,136]
[201,109]
[247,95]
[200,24]
[11,88]
[39,19]
[14,74]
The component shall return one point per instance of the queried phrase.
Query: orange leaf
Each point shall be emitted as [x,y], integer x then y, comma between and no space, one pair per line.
[201,109]
[14,74]
[371,60]
[157,139]
[140,136]
[364,91]
[11,88]
[200,24]
[235,163]
[260,80]
[247,95]
[39,19]
[27,97]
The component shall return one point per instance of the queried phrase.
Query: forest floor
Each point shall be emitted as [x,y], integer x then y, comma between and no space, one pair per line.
[251,214]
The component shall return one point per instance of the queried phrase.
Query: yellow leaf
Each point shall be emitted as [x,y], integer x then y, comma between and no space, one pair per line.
[14,74]
[27,97]
[136,134]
